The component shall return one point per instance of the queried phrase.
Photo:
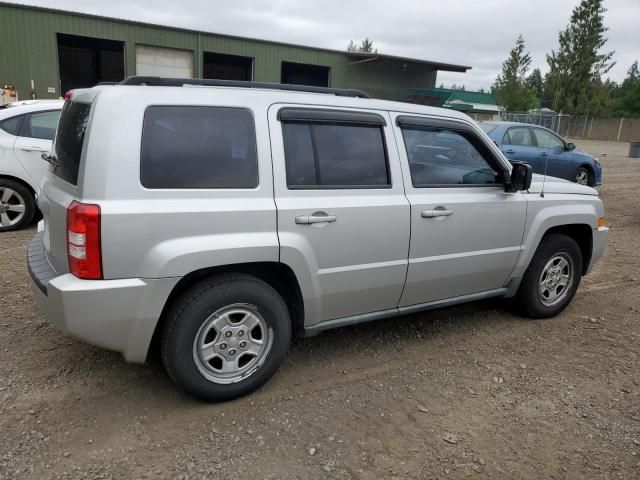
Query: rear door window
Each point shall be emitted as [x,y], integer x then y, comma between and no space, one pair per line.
[70,140]
[40,125]
[518,136]
[198,147]
[334,155]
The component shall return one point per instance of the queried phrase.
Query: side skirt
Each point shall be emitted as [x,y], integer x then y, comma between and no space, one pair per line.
[312,330]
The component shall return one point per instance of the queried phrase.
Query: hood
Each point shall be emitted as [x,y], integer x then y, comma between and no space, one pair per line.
[559,185]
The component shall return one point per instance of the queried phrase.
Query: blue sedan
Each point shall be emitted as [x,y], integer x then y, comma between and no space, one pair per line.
[544,150]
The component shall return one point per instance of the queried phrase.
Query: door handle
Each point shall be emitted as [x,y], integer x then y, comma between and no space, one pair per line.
[317,217]
[509,151]
[34,149]
[436,213]
[544,154]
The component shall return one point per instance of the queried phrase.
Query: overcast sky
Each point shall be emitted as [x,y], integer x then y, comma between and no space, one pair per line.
[466,32]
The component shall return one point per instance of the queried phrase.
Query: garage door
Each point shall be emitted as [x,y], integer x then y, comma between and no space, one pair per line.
[164,62]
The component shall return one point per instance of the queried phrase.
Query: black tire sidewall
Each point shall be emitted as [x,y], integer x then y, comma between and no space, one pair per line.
[528,297]
[590,180]
[29,202]
[195,306]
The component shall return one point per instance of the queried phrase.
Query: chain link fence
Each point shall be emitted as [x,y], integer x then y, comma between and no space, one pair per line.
[575,126]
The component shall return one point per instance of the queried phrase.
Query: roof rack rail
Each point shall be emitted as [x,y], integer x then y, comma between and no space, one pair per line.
[180,82]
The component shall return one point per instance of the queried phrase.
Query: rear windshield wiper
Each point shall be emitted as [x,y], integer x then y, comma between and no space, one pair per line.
[52,159]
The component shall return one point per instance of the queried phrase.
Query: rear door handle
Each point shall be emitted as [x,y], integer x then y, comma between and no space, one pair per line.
[436,213]
[317,217]
[34,149]
[544,154]
[509,151]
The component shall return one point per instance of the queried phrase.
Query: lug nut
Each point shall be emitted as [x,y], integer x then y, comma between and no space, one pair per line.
[232,352]
[243,344]
[228,334]
[241,333]
[223,346]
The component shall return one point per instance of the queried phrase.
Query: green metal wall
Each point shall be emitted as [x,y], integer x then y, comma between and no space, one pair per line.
[28,51]
[389,79]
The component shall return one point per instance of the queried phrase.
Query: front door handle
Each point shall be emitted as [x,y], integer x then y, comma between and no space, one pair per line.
[436,213]
[34,149]
[317,217]
[544,154]
[509,151]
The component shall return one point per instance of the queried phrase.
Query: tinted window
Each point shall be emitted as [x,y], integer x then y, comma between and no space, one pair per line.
[12,125]
[445,157]
[334,155]
[547,139]
[70,139]
[40,125]
[518,136]
[198,147]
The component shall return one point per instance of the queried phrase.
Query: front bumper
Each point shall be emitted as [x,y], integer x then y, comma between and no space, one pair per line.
[119,315]
[600,236]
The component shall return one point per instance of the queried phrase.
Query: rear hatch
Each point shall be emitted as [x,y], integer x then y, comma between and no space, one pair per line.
[61,184]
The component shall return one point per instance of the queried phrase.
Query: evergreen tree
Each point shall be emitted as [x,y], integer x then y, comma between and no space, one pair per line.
[627,103]
[535,81]
[577,67]
[511,89]
[366,46]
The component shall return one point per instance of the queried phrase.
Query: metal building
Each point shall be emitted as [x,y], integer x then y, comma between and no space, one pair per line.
[45,52]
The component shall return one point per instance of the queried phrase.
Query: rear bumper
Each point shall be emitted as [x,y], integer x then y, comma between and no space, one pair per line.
[119,315]
[600,236]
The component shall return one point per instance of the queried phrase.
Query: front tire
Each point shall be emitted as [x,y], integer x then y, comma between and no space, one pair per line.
[552,278]
[17,205]
[584,176]
[225,337]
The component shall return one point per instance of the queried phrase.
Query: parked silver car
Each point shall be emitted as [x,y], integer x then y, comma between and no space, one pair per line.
[214,222]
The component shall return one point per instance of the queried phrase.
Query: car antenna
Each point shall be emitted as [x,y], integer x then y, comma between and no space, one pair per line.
[544,179]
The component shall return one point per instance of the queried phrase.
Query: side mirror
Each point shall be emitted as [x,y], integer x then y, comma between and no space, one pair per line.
[571,146]
[521,176]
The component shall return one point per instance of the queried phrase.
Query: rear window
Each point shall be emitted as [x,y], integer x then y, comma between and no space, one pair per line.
[198,147]
[69,140]
[12,125]
[488,127]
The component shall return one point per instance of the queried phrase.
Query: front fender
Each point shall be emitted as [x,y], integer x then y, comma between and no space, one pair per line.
[554,210]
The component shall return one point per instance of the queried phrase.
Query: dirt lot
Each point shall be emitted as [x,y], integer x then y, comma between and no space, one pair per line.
[468,391]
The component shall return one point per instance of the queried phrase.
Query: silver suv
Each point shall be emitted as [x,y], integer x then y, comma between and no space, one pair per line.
[212,220]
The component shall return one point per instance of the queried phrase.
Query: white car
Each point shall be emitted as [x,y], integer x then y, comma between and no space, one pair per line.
[26,132]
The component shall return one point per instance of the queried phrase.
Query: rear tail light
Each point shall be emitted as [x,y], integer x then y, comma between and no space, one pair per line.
[83,240]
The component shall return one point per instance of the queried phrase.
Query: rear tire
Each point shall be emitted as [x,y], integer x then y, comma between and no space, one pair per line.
[225,337]
[17,205]
[558,260]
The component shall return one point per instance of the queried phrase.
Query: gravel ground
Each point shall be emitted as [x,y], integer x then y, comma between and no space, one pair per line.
[471,391]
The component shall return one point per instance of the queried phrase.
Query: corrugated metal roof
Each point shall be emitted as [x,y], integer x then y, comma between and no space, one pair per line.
[438,65]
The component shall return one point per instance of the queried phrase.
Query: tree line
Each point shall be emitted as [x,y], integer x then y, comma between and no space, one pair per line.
[575,81]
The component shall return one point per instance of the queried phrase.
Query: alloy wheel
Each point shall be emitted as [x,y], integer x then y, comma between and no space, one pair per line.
[12,207]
